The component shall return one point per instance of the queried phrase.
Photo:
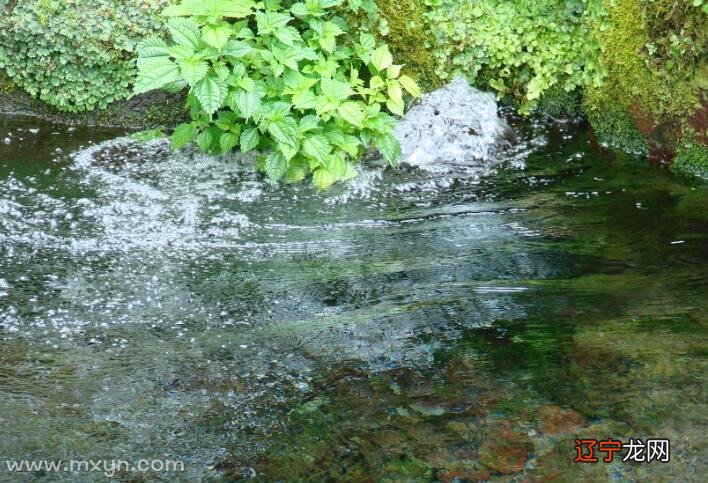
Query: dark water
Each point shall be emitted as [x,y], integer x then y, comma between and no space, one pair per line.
[463,324]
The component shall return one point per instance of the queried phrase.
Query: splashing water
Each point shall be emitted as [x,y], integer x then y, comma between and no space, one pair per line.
[452,126]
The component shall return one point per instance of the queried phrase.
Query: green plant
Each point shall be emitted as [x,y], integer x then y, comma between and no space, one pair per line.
[519,48]
[281,77]
[75,55]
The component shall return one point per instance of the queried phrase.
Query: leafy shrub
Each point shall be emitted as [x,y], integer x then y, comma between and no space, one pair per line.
[75,55]
[519,48]
[282,77]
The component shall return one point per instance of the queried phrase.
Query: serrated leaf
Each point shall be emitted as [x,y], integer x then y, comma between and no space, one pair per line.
[204,140]
[305,100]
[228,141]
[410,85]
[185,31]
[193,70]
[268,22]
[389,147]
[249,139]
[336,91]
[393,71]
[382,58]
[284,131]
[275,166]
[216,35]
[211,92]
[395,101]
[308,123]
[210,8]
[247,103]
[352,113]
[154,73]
[152,47]
[323,179]
[183,135]
[237,49]
[316,147]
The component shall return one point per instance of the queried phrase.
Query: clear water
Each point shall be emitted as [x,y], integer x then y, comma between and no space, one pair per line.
[464,323]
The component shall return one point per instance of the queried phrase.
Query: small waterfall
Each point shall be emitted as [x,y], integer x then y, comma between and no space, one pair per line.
[454,125]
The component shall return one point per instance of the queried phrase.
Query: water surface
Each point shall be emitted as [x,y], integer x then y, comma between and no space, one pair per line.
[462,323]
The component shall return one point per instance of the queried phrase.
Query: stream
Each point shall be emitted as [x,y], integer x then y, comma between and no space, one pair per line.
[460,323]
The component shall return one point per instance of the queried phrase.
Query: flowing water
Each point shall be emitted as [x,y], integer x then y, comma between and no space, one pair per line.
[466,322]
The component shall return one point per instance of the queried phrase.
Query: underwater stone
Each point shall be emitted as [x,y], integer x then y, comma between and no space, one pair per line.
[456,124]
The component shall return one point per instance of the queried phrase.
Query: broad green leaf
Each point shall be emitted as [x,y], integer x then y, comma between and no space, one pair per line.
[228,141]
[193,70]
[284,131]
[154,73]
[237,49]
[288,150]
[152,47]
[299,9]
[183,135]
[329,3]
[410,85]
[389,147]
[295,173]
[323,179]
[249,139]
[210,8]
[352,113]
[275,166]
[308,123]
[185,31]
[305,100]
[210,92]
[376,82]
[226,120]
[216,35]
[268,22]
[395,101]
[287,35]
[336,90]
[204,140]
[316,147]
[247,103]
[393,71]
[236,8]
[382,58]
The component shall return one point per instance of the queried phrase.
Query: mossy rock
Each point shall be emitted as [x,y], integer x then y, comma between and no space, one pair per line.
[150,110]
[691,159]
[650,94]
[410,40]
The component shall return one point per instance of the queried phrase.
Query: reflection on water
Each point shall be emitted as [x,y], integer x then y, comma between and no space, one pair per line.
[463,323]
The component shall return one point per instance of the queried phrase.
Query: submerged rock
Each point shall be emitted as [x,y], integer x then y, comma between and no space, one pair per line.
[456,124]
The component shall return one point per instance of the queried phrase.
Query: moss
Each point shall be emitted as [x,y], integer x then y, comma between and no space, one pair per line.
[6,85]
[691,159]
[559,103]
[410,41]
[648,98]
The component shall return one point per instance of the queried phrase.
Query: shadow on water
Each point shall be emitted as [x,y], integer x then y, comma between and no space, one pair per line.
[464,324]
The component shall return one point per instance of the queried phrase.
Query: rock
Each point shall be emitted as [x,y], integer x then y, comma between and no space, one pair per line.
[554,419]
[456,124]
[505,450]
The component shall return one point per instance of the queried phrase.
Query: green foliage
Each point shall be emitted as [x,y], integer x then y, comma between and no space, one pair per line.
[692,159]
[75,55]
[285,78]
[654,56]
[517,47]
